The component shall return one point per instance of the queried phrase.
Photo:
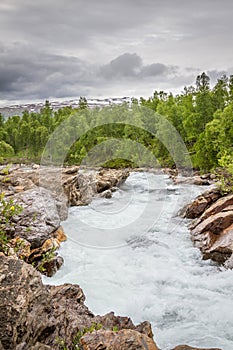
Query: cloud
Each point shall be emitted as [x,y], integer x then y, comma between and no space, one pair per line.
[66,48]
[126,65]
[131,66]
[30,73]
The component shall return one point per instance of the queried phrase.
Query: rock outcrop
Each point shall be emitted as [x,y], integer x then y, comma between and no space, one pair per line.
[34,316]
[24,304]
[69,186]
[212,229]
[200,204]
[120,340]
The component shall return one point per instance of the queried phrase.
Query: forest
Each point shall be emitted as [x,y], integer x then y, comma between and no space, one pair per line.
[202,116]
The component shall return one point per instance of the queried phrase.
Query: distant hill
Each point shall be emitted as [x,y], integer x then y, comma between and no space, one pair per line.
[18,109]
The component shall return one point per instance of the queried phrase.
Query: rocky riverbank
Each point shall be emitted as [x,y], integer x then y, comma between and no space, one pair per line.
[212,226]
[45,195]
[39,317]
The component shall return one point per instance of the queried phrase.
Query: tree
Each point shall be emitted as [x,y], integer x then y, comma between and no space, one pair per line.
[82,103]
[203,82]
[203,103]
[220,93]
[6,150]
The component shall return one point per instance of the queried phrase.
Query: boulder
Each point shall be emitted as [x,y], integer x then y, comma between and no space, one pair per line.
[24,304]
[125,339]
[200,204]
[82,187]
[68,186]
[212,230]
[215,223]
[39,218]
[69,314]
[50,266]
[192,180]
[36,232]
[223,204]
[109,321]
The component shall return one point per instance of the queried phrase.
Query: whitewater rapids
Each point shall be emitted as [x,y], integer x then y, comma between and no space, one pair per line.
[132,255]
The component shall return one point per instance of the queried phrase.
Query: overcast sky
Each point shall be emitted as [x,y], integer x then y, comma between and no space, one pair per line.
[101,48]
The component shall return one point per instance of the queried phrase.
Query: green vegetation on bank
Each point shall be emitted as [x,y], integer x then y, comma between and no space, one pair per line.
[203,116]
[8,209]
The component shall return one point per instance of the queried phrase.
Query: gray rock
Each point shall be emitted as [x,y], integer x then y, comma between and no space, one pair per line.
[24,304]
[39,218]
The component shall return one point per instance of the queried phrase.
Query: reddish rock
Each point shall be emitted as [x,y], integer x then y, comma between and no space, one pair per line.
[222,204]
[200,204]
[211,231]
[120,340]
[214,223]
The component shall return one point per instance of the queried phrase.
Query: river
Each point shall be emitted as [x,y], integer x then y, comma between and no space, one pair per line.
[133,255]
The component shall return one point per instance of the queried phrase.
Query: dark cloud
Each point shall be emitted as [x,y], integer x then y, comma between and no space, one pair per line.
[158,69]
[25,72]
[37,74]
[126,65]
[131,66]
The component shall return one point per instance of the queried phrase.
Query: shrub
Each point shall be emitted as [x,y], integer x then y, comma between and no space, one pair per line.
[226,174]
[7,211]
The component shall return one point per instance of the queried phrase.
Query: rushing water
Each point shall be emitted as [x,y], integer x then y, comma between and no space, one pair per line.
[131,254]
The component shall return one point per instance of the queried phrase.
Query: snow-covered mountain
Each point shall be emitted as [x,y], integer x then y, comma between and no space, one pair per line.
[18,109]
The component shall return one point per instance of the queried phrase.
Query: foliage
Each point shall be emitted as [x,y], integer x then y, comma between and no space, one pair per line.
[203,116]
[225,175]
[76,341]
[7,211]
[46,258]
[6,150]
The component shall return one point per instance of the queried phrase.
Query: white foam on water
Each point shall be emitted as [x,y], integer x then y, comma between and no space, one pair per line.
[132,255]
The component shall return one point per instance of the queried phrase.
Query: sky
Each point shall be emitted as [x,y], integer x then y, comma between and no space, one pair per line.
[58,49]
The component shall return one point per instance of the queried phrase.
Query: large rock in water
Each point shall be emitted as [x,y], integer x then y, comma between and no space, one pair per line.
[38,317]
[81,187]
